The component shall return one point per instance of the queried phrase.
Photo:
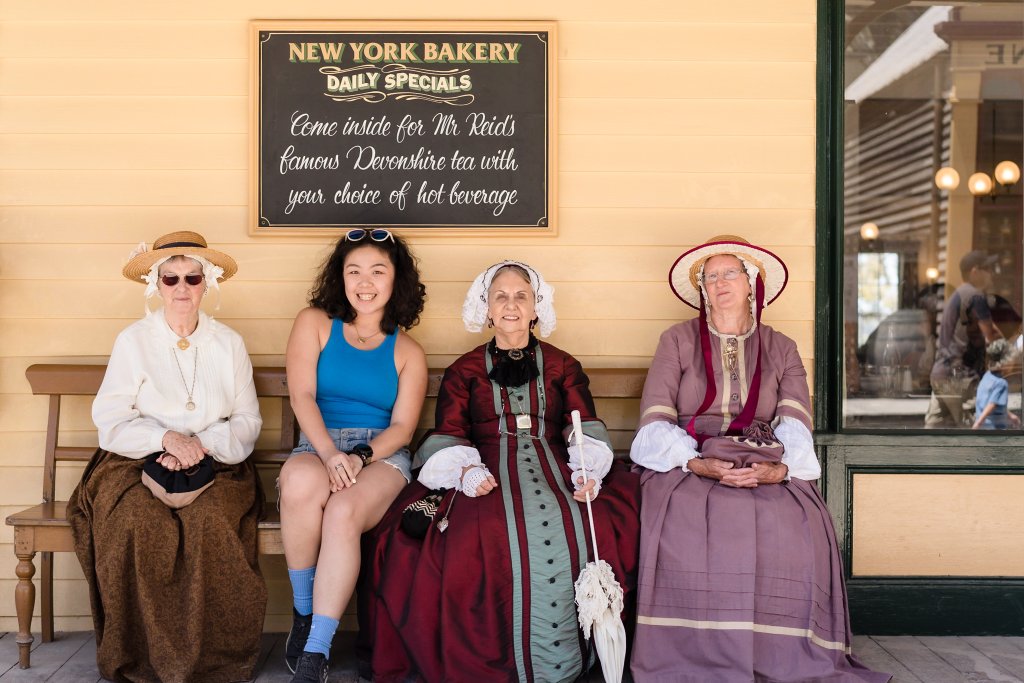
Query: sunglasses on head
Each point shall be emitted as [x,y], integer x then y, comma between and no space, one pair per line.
[377,235]
[172,280]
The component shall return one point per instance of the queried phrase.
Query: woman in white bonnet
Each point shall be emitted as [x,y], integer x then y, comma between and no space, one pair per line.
[177,594]
[490,597]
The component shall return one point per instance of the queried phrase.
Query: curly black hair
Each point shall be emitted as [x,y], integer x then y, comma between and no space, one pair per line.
[406,303]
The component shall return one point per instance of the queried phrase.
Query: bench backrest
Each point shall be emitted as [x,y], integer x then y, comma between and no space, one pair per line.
[61,379]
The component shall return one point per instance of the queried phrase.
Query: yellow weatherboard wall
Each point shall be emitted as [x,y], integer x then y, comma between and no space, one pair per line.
[121,121]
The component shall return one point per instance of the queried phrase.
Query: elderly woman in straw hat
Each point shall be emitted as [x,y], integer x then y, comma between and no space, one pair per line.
[487,594]
[740,574]
[177,594]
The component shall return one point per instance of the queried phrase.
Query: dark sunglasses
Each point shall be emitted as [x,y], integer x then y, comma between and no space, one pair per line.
[172,280]
[377,235]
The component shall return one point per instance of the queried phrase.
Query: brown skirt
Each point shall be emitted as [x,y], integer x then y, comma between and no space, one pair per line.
[177,595]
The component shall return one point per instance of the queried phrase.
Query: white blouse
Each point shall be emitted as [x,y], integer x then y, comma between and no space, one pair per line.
[148,381]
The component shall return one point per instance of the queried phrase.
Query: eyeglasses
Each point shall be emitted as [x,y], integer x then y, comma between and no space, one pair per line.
[730,274]
[172,280]
[377,235]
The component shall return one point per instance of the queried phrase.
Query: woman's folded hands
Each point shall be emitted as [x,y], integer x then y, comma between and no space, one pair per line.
[184,451]
[738,477]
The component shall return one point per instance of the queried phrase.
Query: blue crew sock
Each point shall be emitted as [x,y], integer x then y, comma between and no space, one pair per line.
[302,589]
[321,634]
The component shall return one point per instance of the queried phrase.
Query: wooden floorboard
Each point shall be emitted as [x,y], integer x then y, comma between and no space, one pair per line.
[873,656]
[8,652]
[48,658]
[267,647]
[1006,652]
[920,659]
[81,668]
[71,658]
[975,665]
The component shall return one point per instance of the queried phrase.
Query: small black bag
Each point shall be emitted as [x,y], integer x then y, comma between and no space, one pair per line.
[177,489]
[419,514]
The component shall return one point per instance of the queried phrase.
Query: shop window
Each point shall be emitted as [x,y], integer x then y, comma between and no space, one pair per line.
[933,130]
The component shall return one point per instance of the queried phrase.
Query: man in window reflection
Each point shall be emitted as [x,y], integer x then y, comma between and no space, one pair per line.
[964,332]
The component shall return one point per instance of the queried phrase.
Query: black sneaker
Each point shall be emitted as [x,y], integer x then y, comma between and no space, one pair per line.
[311,668]
[297,638]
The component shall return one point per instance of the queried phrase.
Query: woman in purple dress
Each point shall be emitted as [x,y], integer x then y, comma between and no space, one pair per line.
[740,573]
[490,597]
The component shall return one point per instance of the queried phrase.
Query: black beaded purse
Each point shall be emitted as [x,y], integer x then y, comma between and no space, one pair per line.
[176,489]
[420,514]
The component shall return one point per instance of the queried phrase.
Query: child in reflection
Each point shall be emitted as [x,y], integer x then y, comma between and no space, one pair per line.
[994,391]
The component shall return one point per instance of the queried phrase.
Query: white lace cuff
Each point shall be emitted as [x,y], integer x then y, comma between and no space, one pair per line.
[598,456]
[799,455]
[662,446]
[443,470]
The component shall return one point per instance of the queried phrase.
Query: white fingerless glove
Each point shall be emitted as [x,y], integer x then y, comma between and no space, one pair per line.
[472,479]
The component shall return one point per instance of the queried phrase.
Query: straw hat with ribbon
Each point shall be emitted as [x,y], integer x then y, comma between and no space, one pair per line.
[180,243]
[684,276]
[768,276]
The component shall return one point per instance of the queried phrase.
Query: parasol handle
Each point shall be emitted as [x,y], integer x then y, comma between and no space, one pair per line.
[577,427]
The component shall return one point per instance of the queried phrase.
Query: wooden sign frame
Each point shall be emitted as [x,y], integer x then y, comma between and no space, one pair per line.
[262,152]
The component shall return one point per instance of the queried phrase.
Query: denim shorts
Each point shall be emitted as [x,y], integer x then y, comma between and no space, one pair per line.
[345,439]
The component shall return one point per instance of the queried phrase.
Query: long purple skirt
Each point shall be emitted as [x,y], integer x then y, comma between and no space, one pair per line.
[740,585]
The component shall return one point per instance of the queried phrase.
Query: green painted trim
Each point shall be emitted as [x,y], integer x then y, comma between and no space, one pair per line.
[937,606]
[929,438]
[907,454]
[828,238]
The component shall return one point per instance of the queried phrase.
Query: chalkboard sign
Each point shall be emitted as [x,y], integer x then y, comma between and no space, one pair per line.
[435,127]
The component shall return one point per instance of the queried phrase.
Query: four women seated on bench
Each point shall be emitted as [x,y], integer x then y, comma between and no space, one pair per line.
[739,572]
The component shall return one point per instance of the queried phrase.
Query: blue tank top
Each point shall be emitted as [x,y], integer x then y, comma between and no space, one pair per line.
[356,388]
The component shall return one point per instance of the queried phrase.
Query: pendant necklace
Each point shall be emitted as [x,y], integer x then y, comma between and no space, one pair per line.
[523,420]
[190,404]
[362,339]
[183,344]
[731,351]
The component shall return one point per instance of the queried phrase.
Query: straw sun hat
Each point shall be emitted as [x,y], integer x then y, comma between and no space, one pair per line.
[180,243]
[684,273]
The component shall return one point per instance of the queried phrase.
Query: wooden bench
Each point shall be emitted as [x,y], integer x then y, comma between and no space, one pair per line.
[44,529]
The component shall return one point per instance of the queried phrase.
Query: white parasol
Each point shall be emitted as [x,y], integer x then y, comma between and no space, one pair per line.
[599,596]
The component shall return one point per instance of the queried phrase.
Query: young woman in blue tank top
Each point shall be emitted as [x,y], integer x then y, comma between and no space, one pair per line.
[357,383]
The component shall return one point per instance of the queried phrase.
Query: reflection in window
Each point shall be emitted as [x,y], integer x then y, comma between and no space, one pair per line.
[934,140]
[877,291]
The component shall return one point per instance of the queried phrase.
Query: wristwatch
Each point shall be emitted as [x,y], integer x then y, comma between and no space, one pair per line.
[364,452]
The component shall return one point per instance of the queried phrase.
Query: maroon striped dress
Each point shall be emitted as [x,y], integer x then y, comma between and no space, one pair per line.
[491,599]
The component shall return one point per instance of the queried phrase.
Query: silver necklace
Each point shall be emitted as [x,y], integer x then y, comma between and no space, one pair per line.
[190,404]
[523,420]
